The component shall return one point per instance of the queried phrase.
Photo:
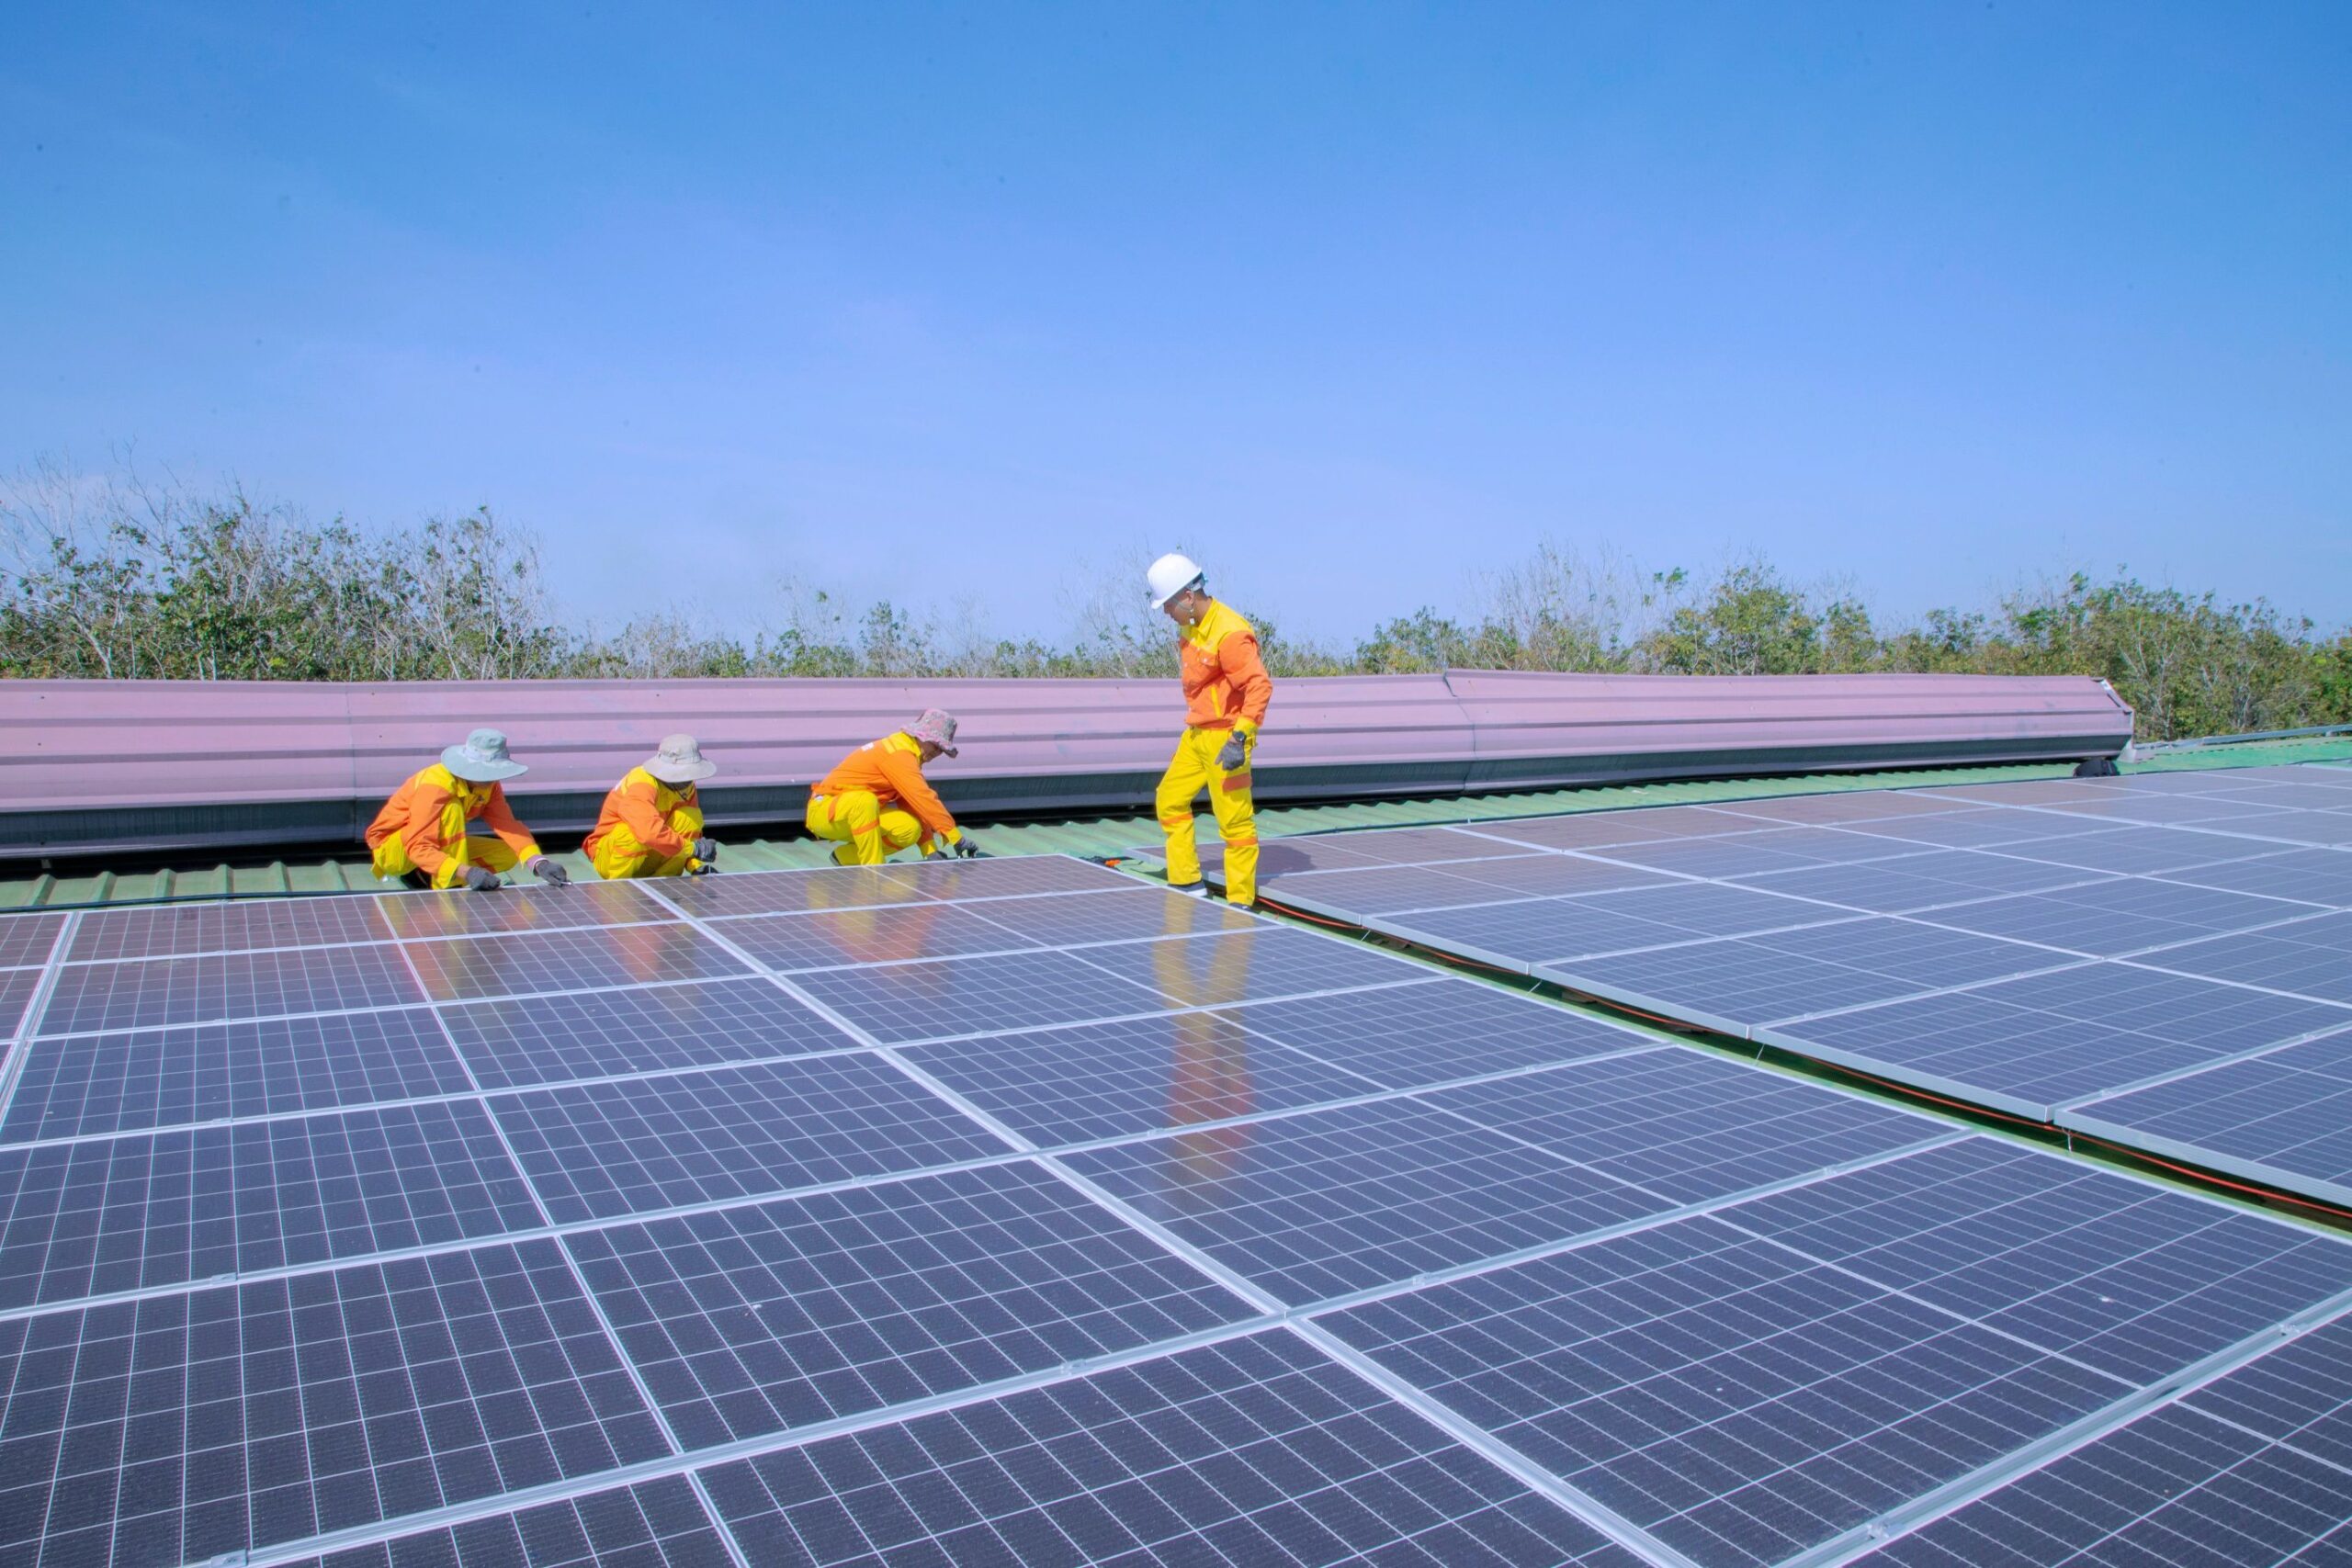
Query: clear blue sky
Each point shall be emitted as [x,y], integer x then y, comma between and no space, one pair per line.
[1352,301]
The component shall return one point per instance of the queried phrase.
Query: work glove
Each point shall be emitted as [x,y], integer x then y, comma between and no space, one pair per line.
[1235,756]
[548,872]
[481,879]
[706,849]
[964,848]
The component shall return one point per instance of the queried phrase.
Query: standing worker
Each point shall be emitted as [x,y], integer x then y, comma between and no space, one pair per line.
[1225,692]
[449,826]
[651,824]
[877,803]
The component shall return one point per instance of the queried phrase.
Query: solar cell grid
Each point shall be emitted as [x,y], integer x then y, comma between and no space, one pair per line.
[2300,1393]
[1559,876]
[2329,828]
[1011,877]
[1326,1203]
[1909,951]
[608,1034]
[149,1209]
[2138,852]
[1531,931]
[593,1150]
[1424,846]
[1690,1126]
[947,998]
[178,1427]
[181,930]
[1435,1034]
[1596,830]
[1855,806]
[2209,809]
[1109,1080]
[791,892]
[1745,983]
[413,915]
[1382,890]
[1239,967]
[18,989]
[109,1083]
[753,1320]
[2309,957]
[2104,919]
[28,939]
[1910,885]
[1978,828]
[1277,857]
[105,998]
[654,1524]
[1734,854]
[1716,910]
[566,961]
[2315,876]
[1060,920]
[1255,1450]
[892,934]
[1739,1401]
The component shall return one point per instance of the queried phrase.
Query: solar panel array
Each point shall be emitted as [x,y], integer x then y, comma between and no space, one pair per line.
[2160,960]
[1017,1212]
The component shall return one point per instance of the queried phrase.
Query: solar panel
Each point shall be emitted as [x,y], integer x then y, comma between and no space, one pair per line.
[1062,919]
[1441,1032]
[2103,919]
[2314,876]
[659,1523]
[843,938]
[1379,889]
[526,907]
[466,967]
[181,930]
[2310,957]
[533,1040]
[106,998]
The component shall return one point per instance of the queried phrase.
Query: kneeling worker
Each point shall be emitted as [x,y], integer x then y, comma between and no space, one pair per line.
[877,803]
[651,824]
[449,826]
[1225,692]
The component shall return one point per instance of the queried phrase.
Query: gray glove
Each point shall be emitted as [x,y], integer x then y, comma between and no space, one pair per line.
[1235,756]
[548,872]
[481,879]
[964,848]
[706,849]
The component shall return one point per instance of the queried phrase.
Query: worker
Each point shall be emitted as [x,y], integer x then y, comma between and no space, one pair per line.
[651,824]
[877,803]
[449,826]
[1225,692]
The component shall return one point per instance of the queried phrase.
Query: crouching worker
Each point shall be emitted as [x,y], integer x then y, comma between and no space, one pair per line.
[877,803]
[450,826]
[651,824]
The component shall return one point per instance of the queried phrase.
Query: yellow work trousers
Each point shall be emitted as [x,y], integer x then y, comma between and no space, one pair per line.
[868,833]
[1193,768]
[619,854]
[485,850]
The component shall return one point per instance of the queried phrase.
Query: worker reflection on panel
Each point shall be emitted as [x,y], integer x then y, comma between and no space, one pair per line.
[1209,1074]
[877,801]
[870,932]
[1225,692]
[449,826]
[651,824]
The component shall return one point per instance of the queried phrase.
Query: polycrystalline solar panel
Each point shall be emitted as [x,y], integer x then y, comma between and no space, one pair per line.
[754,1320]
[1436,1033]
[1534,930]
[1925,955]
[2283,1118]
[1853,805]
[2173,810]
[2123,916]
[155,1209]
[2311,957]
[1559,876]
[2033,1043]
[1596,830]
[183,930]
[2175,1487]
[948,997]
[178,1427]
[791,892]
[523,907]
[1690,1126]
[2139,852]
[885,935]
[607,1033]
[1326,1203]
[1382,890]
[1979,829]
[93,997]
[1146,1075]
[1240,966]
[1011,876]
[1425,846]
[1061,919]
[1739,854]
[593,1150]
[1253,1450]
[467,967]
[654,1524]
[1760,1379]
[2309,796]
[28,939]
[1705,909]
[1910,885]
[1740,1402]
[2333,829]
[1730,987]
[112,1083]
[16,989]
[2314,877]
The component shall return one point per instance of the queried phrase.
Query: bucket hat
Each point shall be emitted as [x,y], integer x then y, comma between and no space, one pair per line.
[679,761]
[482,759]
[936,726]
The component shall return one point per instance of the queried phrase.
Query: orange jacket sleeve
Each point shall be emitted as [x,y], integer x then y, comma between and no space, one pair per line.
[420,831]
[500,817]
[915,792]
[634,803]
[1238,660]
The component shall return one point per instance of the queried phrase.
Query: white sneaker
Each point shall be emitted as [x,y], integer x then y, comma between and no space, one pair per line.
[1190,889]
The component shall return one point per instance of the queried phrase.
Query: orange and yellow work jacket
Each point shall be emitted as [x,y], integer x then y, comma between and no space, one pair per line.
[423,826]
[649,810]
[890,770]
[1225,683]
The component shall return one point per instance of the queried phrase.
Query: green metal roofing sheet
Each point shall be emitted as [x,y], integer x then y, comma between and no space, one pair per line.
[1115,834]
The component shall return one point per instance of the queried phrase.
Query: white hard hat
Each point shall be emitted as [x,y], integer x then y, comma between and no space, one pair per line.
[1171,575]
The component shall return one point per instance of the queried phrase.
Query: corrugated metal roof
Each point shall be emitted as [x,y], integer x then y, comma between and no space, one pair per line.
[1112,834]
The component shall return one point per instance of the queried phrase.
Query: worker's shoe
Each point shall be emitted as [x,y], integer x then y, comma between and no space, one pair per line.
[1190,889]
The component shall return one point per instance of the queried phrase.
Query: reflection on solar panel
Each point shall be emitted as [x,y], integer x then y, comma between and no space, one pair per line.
[2134,956]
[1021,1213]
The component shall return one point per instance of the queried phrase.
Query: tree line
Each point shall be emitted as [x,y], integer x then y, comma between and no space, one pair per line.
[118,579]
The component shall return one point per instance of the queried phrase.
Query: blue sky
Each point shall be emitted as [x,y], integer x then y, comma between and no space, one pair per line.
[956,304]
